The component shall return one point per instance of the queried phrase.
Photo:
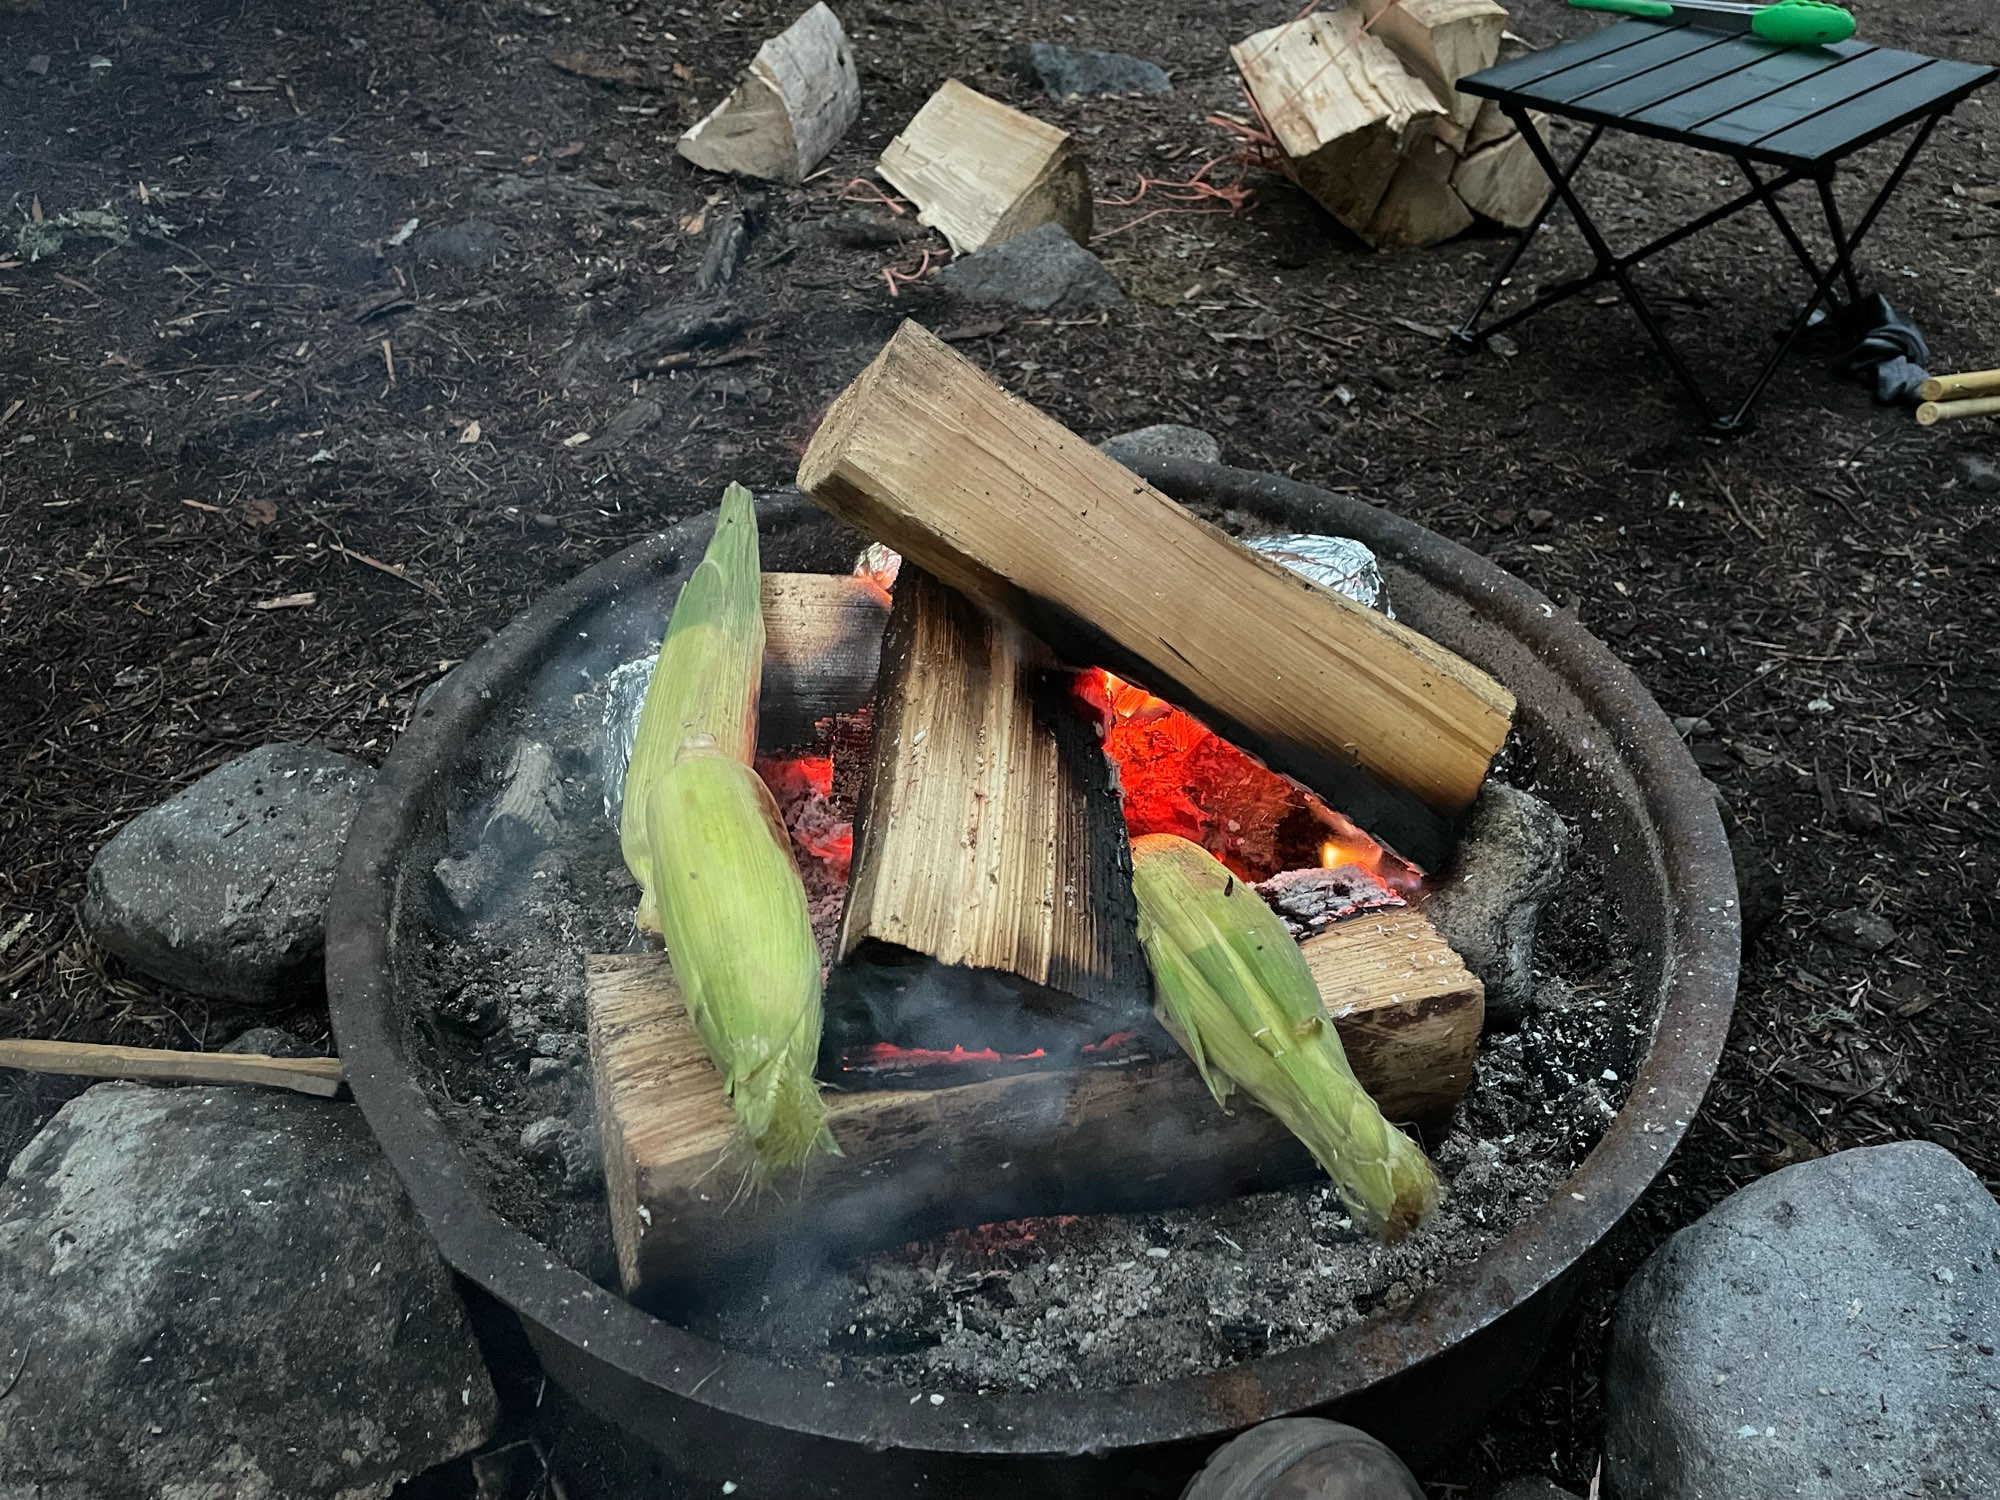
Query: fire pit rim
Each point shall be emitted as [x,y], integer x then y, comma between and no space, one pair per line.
[1701,963]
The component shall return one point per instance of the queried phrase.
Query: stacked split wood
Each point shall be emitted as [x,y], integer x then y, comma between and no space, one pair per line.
[1363,101]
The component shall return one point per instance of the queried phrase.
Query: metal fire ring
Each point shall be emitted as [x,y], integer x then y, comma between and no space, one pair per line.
[1421,1378]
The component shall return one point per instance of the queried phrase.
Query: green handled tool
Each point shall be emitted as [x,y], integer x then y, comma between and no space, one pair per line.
[1791,23]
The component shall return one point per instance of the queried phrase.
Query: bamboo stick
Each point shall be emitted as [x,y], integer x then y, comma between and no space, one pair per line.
[319,1076]
[1953,387]
[1933,412]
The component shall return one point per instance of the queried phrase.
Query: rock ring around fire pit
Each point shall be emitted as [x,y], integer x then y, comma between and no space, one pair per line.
[1421,1376]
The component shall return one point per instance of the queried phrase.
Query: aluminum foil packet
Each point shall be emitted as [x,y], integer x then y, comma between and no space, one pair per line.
[624,697]
[1335,562]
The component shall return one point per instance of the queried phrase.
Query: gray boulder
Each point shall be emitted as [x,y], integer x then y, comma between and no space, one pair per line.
[1826,1333]
[219,1292]
[1081,73]
[1040,271]
[1510,860]
[1163,440]
[221,890]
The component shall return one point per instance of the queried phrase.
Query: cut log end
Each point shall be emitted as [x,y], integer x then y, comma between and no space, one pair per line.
[981,172]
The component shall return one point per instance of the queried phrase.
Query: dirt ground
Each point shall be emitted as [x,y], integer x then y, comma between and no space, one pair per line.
[272,459]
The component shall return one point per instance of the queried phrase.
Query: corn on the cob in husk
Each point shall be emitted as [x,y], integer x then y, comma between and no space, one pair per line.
[702,836]
[705,685]
[733,912]
[1235,992]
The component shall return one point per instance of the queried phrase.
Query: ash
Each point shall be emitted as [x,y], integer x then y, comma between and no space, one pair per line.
[1038,1304]
[1082,1303]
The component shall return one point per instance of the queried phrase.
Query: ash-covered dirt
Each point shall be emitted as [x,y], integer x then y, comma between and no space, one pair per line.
[1064,1303]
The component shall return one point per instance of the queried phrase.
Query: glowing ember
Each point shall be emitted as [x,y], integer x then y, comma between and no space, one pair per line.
[803,789]
[1180,777]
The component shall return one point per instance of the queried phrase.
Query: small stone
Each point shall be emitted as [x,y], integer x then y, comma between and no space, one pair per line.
[467,881]
[1869,931]
[224,1292]
[1691,728]
[38,64]
[471,242]
[1861,815]
[1039,271]
[1814,1290]
[1979,474]
[221,891]
[1510,860]
[269,1041]
[1080,73]
[1163,440]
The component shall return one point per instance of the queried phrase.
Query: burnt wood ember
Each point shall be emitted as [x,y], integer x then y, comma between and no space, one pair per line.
[1134,1131]
[1310,901]
[926,454]
[990,902]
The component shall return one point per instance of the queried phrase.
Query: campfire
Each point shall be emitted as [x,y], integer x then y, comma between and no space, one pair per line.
[975,731]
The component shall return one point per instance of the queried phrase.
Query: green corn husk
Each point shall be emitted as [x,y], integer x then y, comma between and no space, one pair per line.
[702,836]
[733,912]
[705,687]
[1235,992]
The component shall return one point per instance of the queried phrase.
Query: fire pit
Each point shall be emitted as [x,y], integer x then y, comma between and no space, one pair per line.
[1421,1373]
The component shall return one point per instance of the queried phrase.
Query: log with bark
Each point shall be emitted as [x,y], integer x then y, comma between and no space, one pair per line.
[1363,101]
[798,100]
[1135,1136]
[926,454]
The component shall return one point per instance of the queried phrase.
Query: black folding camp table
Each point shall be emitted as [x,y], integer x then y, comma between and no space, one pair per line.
[1795,112]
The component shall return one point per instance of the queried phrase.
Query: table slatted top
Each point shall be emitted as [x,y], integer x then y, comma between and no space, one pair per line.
[1797,106]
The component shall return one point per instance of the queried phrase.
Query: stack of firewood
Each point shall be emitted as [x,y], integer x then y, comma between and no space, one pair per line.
[1363,103]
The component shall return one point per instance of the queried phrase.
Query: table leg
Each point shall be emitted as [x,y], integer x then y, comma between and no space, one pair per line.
[1610,265]
[1468,335]
[1843,266]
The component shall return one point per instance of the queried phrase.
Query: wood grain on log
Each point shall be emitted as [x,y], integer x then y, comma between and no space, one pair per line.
[989,843]
[926,454]
[981,172]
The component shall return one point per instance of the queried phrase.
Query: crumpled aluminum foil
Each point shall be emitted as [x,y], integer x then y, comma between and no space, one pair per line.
[1335,562]
[624,696]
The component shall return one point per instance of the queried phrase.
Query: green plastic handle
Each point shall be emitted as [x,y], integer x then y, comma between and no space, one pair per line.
[1658,10]
[1802,23]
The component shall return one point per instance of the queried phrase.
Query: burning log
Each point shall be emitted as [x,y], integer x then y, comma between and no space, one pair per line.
[822,648]
[991,896]
[926,454]
[980,172]
[1129,1137]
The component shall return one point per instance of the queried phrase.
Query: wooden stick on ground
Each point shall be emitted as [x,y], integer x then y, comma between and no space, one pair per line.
[320,1076]
[926,454]
[991,901]
[1956,387]
[1933,412]
[1131,1137]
